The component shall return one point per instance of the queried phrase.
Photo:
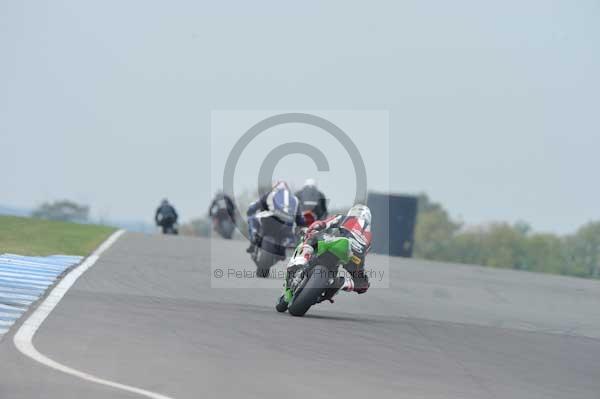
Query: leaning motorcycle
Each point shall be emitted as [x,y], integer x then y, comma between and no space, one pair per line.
[314,282]
[272,240]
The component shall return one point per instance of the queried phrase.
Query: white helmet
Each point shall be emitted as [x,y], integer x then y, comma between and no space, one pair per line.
[310,183]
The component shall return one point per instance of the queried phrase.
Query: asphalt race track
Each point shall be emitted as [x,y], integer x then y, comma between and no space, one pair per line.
[145,315]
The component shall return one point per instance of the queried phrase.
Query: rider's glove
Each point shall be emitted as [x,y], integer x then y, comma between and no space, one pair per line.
[315,228]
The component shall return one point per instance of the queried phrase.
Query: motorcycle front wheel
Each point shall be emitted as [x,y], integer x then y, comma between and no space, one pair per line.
[317,283]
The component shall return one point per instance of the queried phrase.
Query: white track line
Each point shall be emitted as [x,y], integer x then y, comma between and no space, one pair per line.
[23,338]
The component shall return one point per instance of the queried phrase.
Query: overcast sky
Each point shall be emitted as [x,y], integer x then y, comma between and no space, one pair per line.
[493,106]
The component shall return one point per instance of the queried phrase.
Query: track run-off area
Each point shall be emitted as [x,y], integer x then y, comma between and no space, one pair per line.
[148,315]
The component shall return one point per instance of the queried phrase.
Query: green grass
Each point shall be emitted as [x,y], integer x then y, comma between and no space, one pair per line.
[37,237]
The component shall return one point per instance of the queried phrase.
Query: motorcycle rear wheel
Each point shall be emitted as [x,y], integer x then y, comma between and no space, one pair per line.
[264,261]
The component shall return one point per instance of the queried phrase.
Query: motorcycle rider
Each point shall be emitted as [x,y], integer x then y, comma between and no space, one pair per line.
[311,199]
[166,216]
[283,205]
[222,206]
[356,226]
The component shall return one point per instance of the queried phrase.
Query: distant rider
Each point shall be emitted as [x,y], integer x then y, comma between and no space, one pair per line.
[311,199]
[355,225]
[282,205]
[166,216]
[222,206]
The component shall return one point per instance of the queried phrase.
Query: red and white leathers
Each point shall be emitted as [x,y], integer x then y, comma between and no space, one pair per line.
[359,281]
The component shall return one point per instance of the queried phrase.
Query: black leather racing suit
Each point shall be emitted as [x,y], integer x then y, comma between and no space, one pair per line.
[311,199]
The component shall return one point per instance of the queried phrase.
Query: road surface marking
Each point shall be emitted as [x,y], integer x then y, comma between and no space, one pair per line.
[23,338]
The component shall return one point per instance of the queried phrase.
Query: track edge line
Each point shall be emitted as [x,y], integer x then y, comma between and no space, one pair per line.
[23,338]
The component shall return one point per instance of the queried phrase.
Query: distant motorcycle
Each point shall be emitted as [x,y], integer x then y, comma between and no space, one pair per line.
[223,225]
[170,229]
[168,225]
[273,238]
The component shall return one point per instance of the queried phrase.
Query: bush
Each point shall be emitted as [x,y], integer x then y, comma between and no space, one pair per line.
[438,237]
[66,211]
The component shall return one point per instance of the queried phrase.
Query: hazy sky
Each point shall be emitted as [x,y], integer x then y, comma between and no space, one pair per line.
[493,106]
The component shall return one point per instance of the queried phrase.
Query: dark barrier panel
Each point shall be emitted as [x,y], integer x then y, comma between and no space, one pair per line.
[394,218]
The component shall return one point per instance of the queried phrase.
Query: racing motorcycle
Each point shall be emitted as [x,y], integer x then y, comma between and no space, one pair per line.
[168,226]
[223,225]
[170,229]
[313,283]
[272,241]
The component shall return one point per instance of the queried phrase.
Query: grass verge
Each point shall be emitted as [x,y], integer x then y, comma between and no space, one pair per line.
[37,237]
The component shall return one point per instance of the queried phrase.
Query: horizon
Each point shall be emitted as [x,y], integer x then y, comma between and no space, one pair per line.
[491,115]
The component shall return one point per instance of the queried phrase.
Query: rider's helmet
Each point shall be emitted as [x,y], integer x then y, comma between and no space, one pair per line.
[282,202]
[280,185]
[164,201]
[310,183]
[358,223]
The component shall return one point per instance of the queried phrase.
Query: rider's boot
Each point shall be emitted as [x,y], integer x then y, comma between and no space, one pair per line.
[253,242]
[340,283]
[347,284]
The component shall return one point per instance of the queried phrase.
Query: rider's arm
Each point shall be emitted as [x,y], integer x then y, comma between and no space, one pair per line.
[252,208]
[299,216]
[300,220]
[330,222]
[263,202]
[258,205]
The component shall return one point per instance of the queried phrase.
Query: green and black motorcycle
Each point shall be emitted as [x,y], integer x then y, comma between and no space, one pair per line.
[315,282]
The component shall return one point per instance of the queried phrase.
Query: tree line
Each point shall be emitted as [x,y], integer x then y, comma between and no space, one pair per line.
[439,237]
[505,245]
